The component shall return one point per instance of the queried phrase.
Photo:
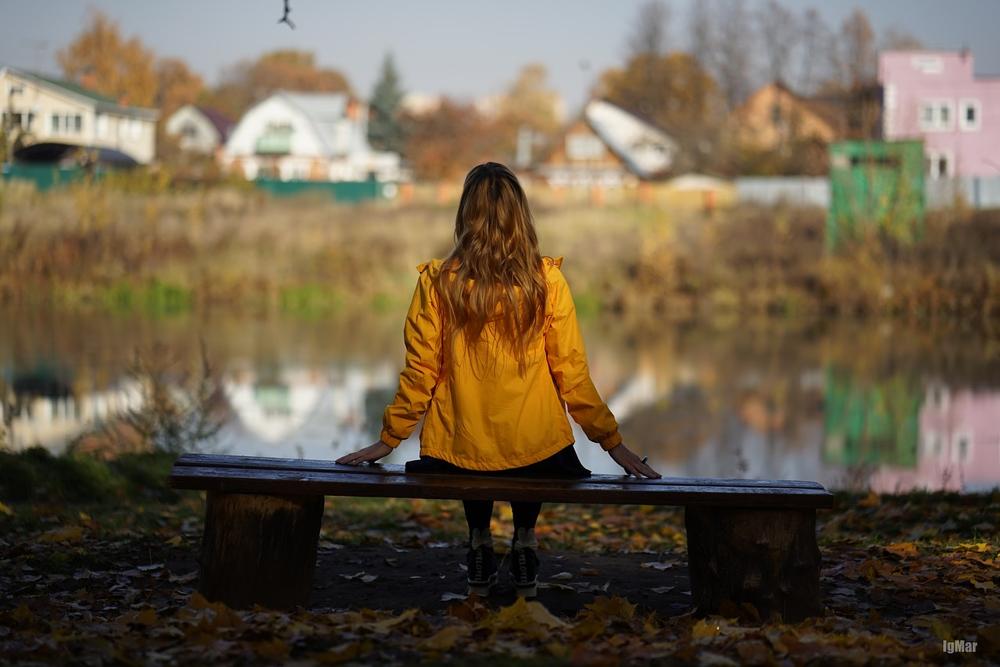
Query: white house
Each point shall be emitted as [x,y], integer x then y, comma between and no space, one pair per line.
[198,129]
[609,147]
[307,136]
[61,113]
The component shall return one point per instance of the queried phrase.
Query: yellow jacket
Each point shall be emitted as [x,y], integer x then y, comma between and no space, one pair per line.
[499,419]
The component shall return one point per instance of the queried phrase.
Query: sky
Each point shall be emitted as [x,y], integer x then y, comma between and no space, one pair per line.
[465,49]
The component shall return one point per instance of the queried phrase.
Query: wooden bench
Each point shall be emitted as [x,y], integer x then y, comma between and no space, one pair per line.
[749,541]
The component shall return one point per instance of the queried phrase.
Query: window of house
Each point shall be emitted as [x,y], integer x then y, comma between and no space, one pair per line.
[189,131]
[969,113]
[775,114]
[583,147]
[78,123]
[56,122]
[940,164]
[937,115]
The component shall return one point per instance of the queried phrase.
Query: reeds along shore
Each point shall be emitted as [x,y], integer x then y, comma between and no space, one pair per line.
[106,246]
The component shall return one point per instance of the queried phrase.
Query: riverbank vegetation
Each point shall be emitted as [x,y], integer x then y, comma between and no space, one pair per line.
[103,245]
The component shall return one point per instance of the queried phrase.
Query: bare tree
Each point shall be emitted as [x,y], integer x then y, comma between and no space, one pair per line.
[900,40]
[815,37]
[702,44]
[650,32]
[779,32]
[860,59]
[734,51]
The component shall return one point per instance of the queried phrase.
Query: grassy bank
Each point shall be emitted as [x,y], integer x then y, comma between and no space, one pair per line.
[98,245]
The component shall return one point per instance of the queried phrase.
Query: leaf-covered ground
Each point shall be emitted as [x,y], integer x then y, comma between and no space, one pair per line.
[96,585]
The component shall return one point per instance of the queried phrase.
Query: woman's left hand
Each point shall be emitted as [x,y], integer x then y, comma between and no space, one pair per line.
[372,452]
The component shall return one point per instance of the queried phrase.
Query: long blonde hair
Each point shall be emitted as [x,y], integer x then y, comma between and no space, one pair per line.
[495,257]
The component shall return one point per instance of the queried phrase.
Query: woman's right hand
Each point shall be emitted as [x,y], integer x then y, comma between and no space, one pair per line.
[633,465]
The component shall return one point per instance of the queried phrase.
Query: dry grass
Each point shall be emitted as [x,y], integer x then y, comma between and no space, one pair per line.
[104,245]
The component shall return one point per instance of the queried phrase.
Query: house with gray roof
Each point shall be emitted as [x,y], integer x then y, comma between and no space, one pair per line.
[47,116]
[292,136]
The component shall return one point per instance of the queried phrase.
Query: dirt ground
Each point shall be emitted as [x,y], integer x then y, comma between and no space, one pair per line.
[424,577]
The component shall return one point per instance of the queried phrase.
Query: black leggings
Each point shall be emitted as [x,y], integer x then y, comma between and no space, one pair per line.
[479,512]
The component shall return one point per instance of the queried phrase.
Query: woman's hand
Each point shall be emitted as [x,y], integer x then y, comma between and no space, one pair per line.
[372,452]
[633,465]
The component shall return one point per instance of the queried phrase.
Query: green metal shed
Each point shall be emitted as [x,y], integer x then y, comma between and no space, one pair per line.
[875,185]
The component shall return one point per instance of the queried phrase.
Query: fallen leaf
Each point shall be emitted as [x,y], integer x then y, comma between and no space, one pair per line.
[445,638]
[660,590]
[562,576]
[64,534]
[656,565]
[448,597]
[6,510]
[903,549]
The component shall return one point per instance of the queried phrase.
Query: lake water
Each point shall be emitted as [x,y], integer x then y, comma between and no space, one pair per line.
[855,406]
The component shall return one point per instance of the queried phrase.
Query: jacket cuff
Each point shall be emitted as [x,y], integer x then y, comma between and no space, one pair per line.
[611,441]
[388,439]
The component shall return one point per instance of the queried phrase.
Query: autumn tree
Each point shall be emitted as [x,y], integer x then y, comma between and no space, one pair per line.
[102,60]
[384,128]
[176,85]
[446,142]
[250,81]
[895,39]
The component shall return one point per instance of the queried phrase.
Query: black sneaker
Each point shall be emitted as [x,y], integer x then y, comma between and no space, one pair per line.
[482,575]
[524,570]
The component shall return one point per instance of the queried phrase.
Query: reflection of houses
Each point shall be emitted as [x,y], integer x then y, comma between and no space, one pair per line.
[52,116]
[52,421]
[305,413]
[607,146]
[935,96]
[307,136]
[959,444]
[198,129]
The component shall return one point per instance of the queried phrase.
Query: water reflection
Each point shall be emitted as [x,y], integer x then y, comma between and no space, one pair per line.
[850,406]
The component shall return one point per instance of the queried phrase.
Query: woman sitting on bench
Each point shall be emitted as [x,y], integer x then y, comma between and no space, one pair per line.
[494,358]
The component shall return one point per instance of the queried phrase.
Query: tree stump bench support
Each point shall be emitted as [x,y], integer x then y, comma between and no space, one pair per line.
[750,542]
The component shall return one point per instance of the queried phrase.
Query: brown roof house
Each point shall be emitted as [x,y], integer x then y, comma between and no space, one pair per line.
[780,131]
[608,147]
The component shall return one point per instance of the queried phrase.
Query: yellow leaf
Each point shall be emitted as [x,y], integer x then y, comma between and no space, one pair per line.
[175,541]
[523,615]
[705,628]
[871,500]
[145,617]
[6,510]
[387,624]
[446,637]
[903,549]
[84,516]
[276,649]
[606,608]
[64,534]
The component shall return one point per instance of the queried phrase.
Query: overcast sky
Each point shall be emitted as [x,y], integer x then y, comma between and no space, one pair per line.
[463,48]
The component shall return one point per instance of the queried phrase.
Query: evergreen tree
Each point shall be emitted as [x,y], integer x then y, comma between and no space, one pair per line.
[384,129]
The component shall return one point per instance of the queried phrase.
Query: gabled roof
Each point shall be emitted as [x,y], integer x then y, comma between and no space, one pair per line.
[101,102]
[323,111]
[646,150]
[221,122]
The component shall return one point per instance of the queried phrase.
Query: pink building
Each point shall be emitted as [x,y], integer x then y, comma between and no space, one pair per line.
[935,96]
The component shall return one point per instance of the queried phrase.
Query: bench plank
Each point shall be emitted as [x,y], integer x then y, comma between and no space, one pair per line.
[360,481]
[306,465]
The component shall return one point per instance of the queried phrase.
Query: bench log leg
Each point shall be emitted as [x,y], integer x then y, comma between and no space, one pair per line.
[260,549]
[765,557]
